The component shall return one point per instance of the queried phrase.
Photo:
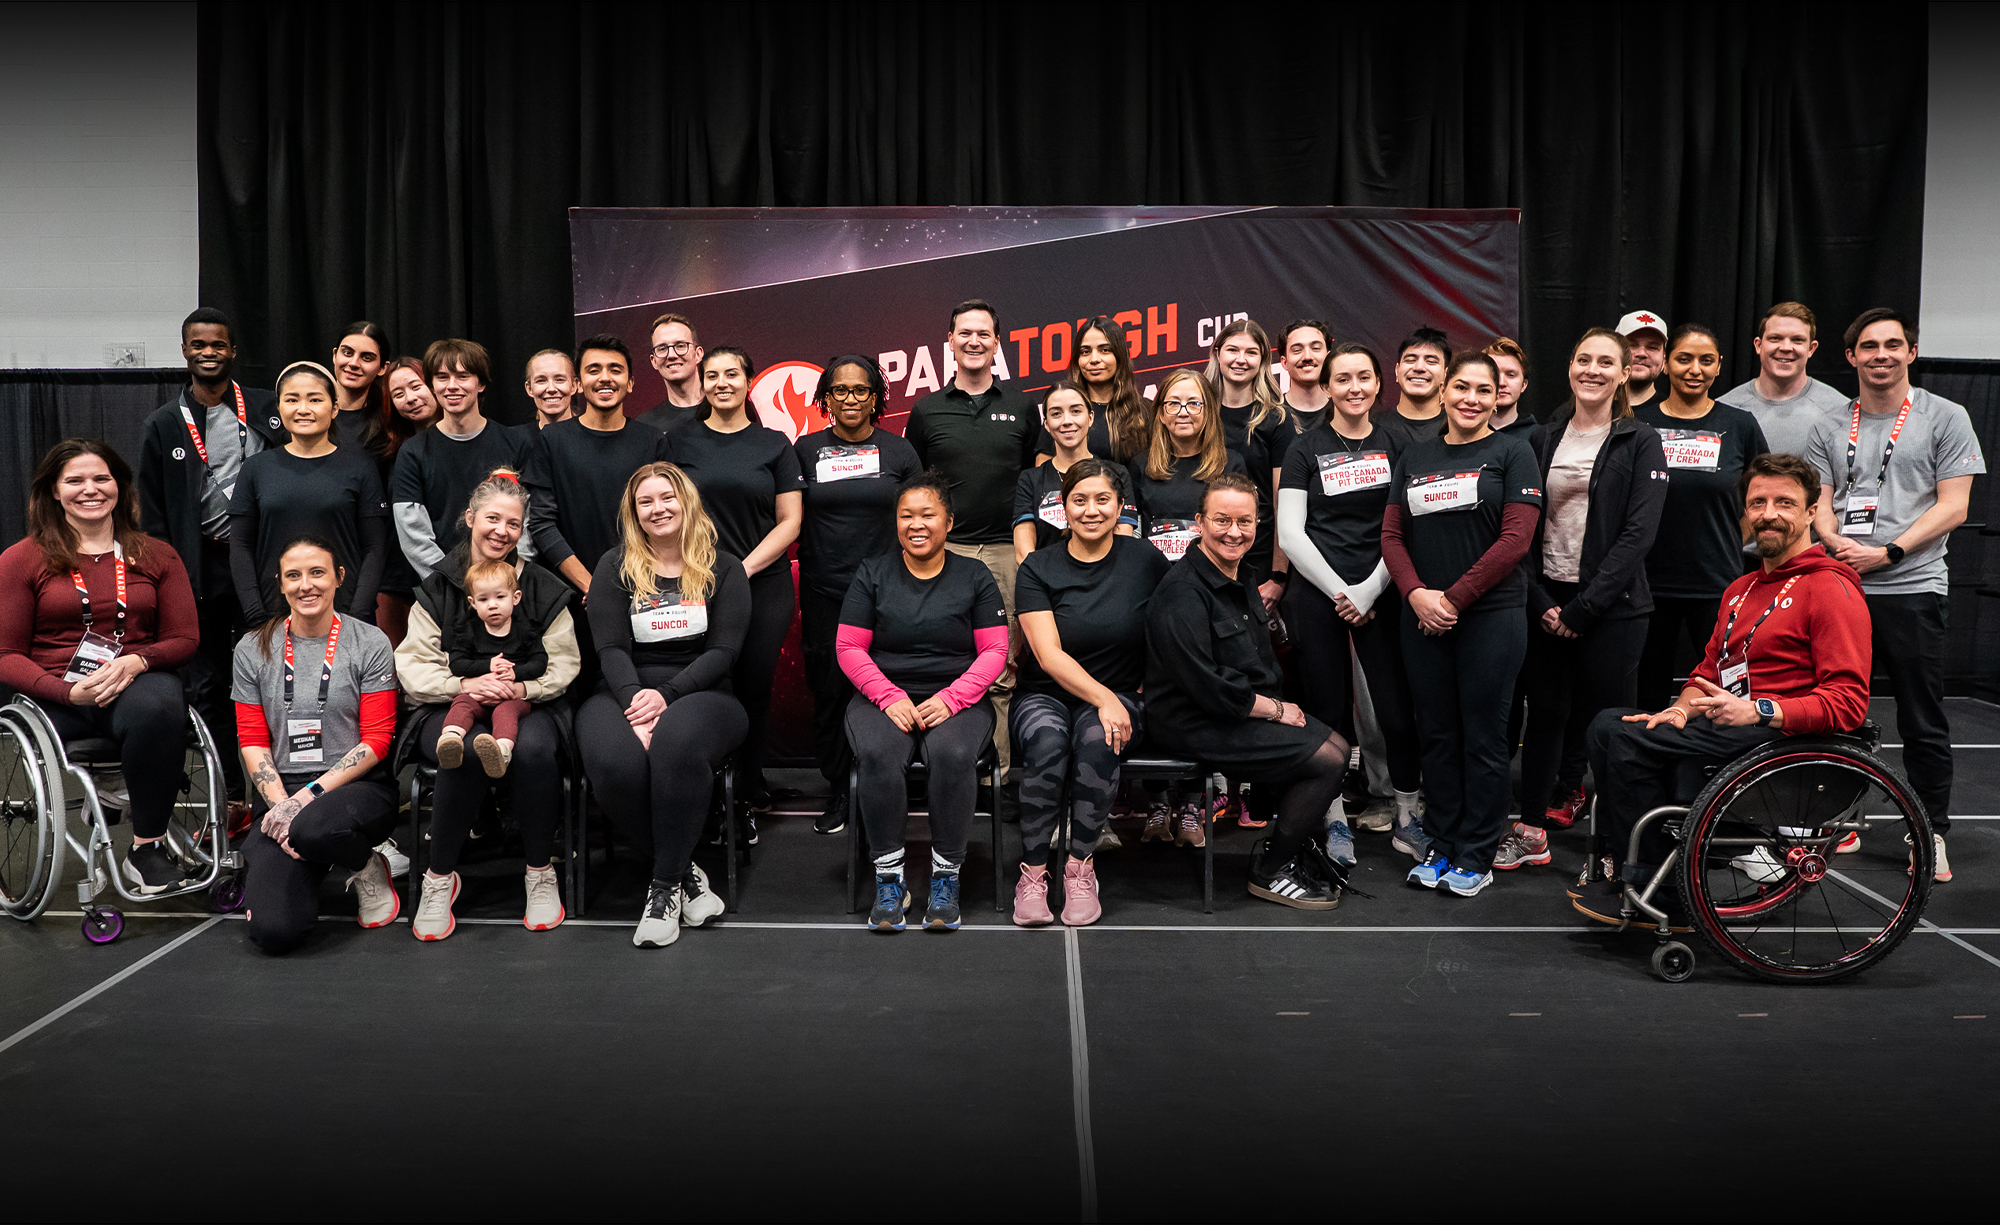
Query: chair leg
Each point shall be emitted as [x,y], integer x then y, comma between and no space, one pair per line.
[993,810]
[731,832]
[853,838]
[580,862]
[416,839]
[1208,844]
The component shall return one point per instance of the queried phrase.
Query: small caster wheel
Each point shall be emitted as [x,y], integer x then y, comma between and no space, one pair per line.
[226,895]
[1673,962]
[102,926]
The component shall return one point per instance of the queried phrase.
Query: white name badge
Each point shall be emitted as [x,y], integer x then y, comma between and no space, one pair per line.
[1692,449]
[305,743]
[1736,678]
[666,619]
[1443,491]
[91,654]
[1051,511]
[1349,471]
[1171,536]
[1857,518]
[848,464]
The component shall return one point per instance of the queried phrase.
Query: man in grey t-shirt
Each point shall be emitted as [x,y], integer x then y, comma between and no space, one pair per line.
[1897,469]
[1785,400]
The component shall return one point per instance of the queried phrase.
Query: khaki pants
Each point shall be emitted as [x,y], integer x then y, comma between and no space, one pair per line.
[999,560]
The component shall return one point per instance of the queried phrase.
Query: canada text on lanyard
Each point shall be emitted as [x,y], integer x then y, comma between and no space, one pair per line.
[94,650]
[1736,677]
[1857,515]
[305,739]
[242,425]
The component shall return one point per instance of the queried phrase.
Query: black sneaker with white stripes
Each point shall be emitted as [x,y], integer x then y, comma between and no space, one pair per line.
[1294,885]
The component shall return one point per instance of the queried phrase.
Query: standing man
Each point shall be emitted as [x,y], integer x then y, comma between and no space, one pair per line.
[195,447]
[677,360]
[437,470]
[1897,473]
[1646,332]
[980,435]
[1786,401]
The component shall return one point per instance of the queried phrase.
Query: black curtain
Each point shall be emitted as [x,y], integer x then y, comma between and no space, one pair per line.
[39,408]
[412,163]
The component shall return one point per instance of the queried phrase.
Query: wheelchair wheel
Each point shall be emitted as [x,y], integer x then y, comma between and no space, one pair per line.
[1758,869]
[31,799]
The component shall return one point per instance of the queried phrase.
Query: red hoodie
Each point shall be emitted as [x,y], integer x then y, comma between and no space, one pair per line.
[1813,653]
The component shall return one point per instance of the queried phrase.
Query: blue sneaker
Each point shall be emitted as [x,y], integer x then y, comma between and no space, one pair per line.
[892,898]
[1464,881]
[942,914]
[1411,839]
[1340,844]
[1430,871]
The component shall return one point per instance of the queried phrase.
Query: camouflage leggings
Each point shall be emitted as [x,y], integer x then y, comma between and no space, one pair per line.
[1053,746]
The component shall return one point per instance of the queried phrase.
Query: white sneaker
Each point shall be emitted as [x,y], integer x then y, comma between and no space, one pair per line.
[1759,865]
[1941,870]
[434,919]
[545,908]
[380,903]
[660,922]
[699,903]
[399,863]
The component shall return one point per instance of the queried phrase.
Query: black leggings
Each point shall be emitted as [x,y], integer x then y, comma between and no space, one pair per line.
[772,603]
[659,795]
[819,620]
[1675,619]
[1326,674]
[534,775]
[1306,791]
[339,829]
[1569,681]
[149,721]
[1463,680]
[1056,743]
[950,751]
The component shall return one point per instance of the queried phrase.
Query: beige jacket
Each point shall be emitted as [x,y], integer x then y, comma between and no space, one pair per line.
[424,669]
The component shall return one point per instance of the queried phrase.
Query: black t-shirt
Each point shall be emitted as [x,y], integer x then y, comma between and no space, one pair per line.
[576,477]
[290,497]
[850,503]
[1452,496]
[1407,431]
[1347,484]
[923,627]
[666,416]
[472,652]
[1098,439]
[739,477]
[1167,509]
[439,473]
[1525,428]
[1278,436]
[980,443]
[1100,610]
[1038,500]
[663,642]
[1254,447]
[1699,549]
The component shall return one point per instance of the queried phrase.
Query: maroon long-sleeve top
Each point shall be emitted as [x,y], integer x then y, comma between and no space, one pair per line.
[41,617]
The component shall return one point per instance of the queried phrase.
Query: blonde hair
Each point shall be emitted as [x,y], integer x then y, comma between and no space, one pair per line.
[498,573]
[635,563]
[1263,384]
[1160,452]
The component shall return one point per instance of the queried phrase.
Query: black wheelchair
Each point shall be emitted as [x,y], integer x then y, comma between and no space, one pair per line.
[1787,861]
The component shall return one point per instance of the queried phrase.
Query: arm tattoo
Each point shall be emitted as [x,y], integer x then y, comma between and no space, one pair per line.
[353,757]
[264,774]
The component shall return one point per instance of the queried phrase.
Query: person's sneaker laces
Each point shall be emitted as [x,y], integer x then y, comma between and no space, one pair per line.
[1524,844]
[1411,839]
[1426,874]
[942,913]
[699,903]
[1941,870]
[1759,865]
[545,908]
[1080,906]
[834,819]
[377,901]
[1159,824]
[399,863]
[1568,805]
[1189,828]
[892,898]
[434,919]
[151,869]
[1340,844]
[1031,897]
[1292,885]
[1464,881]
[660,921]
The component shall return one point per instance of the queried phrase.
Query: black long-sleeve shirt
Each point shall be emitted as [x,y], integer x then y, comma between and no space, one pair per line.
[666,644]
[1208,646]
[575,478]
[280,497]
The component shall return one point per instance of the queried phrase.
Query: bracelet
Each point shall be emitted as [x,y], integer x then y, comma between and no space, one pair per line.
[1685,713]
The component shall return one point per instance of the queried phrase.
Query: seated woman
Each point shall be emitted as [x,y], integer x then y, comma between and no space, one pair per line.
[1212,686]
[444,629]
[668,611]
[315,697]
[93,615]
[923,635]
[1076,709]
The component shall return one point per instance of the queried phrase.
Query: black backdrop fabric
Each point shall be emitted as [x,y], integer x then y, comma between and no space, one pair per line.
[412,164]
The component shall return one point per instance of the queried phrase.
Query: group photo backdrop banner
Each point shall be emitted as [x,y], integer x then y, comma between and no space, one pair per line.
[797,287]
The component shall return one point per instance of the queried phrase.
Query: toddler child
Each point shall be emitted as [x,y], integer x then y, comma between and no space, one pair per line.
[499,647]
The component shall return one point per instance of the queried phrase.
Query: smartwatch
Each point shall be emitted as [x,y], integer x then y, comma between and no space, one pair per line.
[1895,552]
[1767,710]
[316,789]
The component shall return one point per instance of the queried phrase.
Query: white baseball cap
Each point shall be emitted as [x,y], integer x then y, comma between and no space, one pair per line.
[1639,321]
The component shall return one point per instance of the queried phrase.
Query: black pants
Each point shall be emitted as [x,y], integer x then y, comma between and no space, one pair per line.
[772,603]
[534,776]
[339,829]
[209,674]
[819,621]
[659,795]
[149,722]
[1635,768]
[1909,647]
[950,751]
[1675,619]
[1320,649]
[1462,681]
[1061,743]
[1569,681]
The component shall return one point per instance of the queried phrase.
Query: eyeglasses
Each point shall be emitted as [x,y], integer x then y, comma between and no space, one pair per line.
[674,348]
[1183,408]
[850,395]
[1221,524]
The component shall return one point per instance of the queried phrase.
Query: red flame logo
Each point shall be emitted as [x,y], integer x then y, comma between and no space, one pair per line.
[783,396]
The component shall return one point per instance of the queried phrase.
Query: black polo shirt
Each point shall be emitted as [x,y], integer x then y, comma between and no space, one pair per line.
[980,443]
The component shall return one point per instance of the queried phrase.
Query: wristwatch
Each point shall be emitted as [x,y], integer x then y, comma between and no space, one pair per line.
[1895,552]
[316,789]
[1767,710]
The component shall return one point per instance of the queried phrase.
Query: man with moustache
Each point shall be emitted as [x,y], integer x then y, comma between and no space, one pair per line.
[676,358]
[1786,401]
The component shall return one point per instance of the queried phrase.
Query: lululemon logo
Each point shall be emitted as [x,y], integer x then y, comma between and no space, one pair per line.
[783,397]
[180,453]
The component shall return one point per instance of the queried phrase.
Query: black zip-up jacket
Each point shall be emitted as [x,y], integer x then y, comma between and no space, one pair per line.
[1628,490]
[170,483]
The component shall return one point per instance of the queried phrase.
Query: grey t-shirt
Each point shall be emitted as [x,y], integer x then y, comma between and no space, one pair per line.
[1937,444]
[362,663]
[229,444]
[1787,423]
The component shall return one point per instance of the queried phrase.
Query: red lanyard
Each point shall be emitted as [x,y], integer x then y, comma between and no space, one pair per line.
[1729,629]
[1854,438]
[242,424]
[325,668]
[83,593]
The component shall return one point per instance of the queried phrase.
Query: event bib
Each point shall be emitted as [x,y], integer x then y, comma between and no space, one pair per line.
[1696,449]
[848,463]
[1857,518]
[1442,491]
[665,618]
[1348,471]
[1051,511]
[1171,536]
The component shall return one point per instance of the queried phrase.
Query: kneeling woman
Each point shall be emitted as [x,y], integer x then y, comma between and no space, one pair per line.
[1212,686]
[668,611]
[1076,709]
[923,634]
[315,697]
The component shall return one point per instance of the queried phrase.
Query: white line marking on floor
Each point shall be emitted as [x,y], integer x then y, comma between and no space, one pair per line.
[107,984]
[1079,1076]
[1924,924]
[1955,746]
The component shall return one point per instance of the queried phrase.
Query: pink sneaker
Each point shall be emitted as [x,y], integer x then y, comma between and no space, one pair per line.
[1080,888]
[1031,897]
